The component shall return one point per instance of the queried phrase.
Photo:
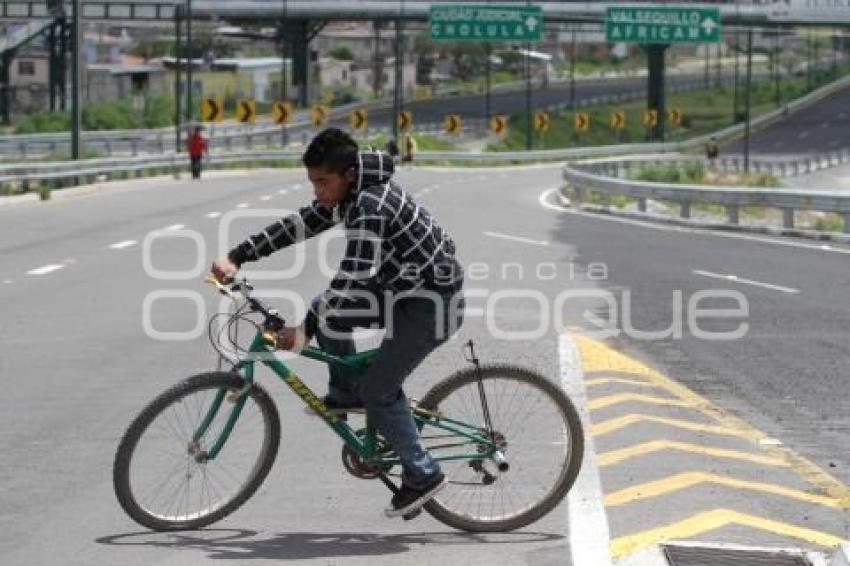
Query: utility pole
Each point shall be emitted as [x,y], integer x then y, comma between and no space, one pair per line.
[397,91]
[747,99]
[573,68]
[776,70]
[487,109]
[76,81]
[735,95]
[189,60]
[178,61]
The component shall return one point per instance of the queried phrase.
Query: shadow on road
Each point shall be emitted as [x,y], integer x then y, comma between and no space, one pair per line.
[243,544]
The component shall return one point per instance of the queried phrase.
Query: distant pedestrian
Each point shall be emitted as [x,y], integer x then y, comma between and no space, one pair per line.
[197,147]
[711,149]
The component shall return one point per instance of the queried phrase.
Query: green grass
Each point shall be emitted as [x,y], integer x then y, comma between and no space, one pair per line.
[423,142]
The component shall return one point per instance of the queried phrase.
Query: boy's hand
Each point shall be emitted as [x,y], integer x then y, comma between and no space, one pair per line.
[292,339]
[224,270]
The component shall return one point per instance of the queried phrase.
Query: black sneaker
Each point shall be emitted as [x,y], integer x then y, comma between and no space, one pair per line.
[409,499]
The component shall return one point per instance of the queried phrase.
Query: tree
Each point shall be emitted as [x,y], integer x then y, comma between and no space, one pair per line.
[342,53]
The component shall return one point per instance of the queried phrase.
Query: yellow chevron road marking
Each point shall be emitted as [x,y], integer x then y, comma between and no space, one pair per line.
[619,380]
[618,456]
[714,519]
[617,423]
[679,482]
[609,400]
[596,356]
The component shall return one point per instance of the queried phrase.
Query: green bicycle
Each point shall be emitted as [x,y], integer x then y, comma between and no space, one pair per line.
[509,440]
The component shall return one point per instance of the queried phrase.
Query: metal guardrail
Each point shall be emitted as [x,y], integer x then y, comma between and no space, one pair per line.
[605,178]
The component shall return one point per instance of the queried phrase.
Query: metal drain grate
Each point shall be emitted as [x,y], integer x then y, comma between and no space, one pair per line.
[696,556]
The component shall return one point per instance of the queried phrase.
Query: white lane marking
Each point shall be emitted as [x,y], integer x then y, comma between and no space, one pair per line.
[516,238]
[297,187]
[651,225]
[803,135]
[213,214]
[243,205]
[175,227]
[736,279]
[587,521]
[7,281]
[45,269]
[282,192]
[123,244]
[265,198]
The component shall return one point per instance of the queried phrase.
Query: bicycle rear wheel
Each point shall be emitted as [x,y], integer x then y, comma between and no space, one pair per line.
[159,481]
[541,435]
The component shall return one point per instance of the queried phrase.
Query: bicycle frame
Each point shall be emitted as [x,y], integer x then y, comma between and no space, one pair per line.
[367,445]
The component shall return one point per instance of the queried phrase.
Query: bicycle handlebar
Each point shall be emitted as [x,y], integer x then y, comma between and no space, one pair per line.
[272,323]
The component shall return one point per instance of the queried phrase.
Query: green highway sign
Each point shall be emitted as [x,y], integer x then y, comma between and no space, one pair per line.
[485,22]
[662,24]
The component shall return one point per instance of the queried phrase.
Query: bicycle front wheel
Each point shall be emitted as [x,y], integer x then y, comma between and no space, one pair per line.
[158,477]
[540,435]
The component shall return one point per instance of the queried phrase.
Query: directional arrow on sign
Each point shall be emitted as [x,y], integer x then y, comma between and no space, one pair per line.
[453,123]
[211,110]
[499,124]
[531,23]
[581,121]
[318,115]
[541,121]
[708,25]
[282,112]
[618,120]
[246,111]
[359,119]
[405,120]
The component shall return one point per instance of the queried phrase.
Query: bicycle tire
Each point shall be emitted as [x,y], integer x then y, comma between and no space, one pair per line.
[441,392]
[124,457]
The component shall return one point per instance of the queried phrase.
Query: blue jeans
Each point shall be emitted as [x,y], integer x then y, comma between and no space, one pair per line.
[416,325]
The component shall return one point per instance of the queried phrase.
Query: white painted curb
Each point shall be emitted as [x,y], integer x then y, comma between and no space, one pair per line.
[841,556]
[648,556]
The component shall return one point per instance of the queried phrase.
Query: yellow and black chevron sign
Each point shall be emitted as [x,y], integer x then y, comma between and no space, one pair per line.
[618,120]
[674,116]
[282,112]
[541,121]
[674,465]
[405,120]
[359,119]
[319,115]
[246,111]
[453,124]
[650,118]
[212,110]
[499,125]
[581,121]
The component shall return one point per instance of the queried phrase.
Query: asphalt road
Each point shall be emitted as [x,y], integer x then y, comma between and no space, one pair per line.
[819,128]
[77,364]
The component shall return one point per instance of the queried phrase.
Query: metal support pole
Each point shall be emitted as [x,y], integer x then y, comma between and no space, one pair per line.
[377,68]
[719,70]
[397,94]
[747,99]
[655,88]
[5,88]
[76,70]
[809,60]
[528,140]
[178,60]
[707,78]
[735,95]
[189,60]
[487,110]
[776,70]
[573,69]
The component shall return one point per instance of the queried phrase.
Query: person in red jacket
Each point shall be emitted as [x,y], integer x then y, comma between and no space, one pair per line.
[197,146]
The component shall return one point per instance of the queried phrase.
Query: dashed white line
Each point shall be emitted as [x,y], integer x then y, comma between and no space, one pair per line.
[213,214]
[517,238]
[265,198]
[123,244]
[803,135]
[175,227]
[736,279]
[45,269]
[243,205]
[282,191]
[7,281]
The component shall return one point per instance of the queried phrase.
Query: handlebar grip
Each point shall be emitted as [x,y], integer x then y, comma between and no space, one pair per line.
[271,338]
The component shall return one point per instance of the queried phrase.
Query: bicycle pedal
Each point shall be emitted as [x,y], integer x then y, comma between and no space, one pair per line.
[412,515]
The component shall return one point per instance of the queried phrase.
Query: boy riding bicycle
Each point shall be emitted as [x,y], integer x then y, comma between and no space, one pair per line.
[399,272]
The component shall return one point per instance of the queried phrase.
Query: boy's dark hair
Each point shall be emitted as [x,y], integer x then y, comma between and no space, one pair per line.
[331,149]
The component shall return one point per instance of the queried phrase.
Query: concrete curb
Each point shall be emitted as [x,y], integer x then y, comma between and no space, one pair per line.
[648,556]
[12,200]
[841,556]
